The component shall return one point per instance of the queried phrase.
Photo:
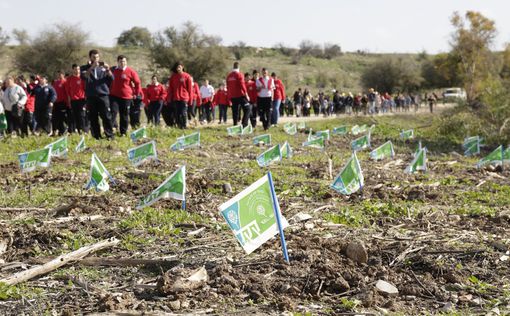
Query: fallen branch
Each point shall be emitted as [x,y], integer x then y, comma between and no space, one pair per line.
[73,218]
[58,262]
[118,262]
[22,209]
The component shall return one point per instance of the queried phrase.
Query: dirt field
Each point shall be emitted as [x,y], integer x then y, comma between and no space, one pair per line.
[441,237]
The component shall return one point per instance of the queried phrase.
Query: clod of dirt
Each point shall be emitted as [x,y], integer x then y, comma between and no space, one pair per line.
[356,252]
[227,188]
[203,154]
[113,302]
[172,284]
[386,288]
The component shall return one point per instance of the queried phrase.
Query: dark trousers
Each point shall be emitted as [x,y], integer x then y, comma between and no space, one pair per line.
[264,107]
[253,115]
[13,123]
[168,113]
[43,118]
[223,113]
[180,113]
[71,127]
[99,106]
[192,110]
[120,106]
[154,111]
[79,109]
[237,103]
[207,111]
[59,118]
[28,123]
[134,113]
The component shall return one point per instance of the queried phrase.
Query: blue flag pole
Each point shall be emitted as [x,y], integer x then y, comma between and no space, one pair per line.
[184,204]
[277,213]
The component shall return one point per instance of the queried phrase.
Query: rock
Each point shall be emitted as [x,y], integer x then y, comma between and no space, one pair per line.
[227,188]
[386,288]
[300,217]
[172,284]
[339,285]
[356,252]
[203,154]
[175,305]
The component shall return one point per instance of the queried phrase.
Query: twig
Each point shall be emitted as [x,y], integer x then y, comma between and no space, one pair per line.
[207,245]
[405,253]
[73,218]
[22,209]
[322,208]
[121,262]
[421,284]
[464,252]
[58,262]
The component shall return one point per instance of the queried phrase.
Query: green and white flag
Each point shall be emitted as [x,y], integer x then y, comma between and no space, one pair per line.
[29,161]
[142,153]
[506,155]
[290,128]
[301,125]
[350,179]
[270,156]
[247,130]
[251,215]
[471,146]
[324,134]
[361,142]
[99,176]
[310,134]
[3,121]
[405,135]
[355,130]
[138,134]
[188,141]
[383,151]
[363,128]
[341,130]
[173,187]
[59,147]
[176,146]
[286,150]
[235,130]
[494,158]
[419,162]
[81,145]
[266,139]
[315,142]
[418,149]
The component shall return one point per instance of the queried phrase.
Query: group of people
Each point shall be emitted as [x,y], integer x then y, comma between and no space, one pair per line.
[303,103]
[94,92]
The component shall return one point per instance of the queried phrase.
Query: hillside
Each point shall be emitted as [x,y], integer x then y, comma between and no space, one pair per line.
[342,72]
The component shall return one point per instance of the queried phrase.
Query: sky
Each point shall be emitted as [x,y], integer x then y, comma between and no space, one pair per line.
[384,26]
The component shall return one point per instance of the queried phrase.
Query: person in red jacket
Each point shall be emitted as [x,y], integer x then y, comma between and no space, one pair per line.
[196,101]
[121,92]
[279,95]
[238,95]
[251,86]
[155,96]
[180,93]
[60,109]
[221,99]
[28,114]
[75,91]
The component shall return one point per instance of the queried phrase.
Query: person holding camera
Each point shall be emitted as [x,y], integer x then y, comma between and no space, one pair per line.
[14,99]
[98,78]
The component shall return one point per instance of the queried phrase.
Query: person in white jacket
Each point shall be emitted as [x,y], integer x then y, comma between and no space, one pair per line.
[14,99]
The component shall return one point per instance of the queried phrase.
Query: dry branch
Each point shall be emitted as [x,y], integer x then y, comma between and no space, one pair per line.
[58,262]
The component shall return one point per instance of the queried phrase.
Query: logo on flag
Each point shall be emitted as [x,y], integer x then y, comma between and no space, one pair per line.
[142,153]
[350,179]
[341,130]
[383,151]
[315,142]
[266,139]
[99,176]
[419,162]
[138,134]
[405,135]
[270,156]
[59,147]
[81,145]
[324,134]
[253,215]
[247,130]
[29,161]
[173,187]
[235,130]
[290,128]
[361,142]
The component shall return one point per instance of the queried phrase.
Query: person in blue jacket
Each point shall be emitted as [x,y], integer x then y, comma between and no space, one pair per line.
[45,96]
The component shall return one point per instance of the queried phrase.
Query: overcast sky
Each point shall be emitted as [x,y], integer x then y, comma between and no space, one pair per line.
[375,26]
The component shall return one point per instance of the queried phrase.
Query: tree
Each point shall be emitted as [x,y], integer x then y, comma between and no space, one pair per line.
[54,48]
[4,38]
[471,41]
[332,50]
[201,54]
[307,47]
[136,36]
[239,49]
[21,36]
[441,71]
[390,74]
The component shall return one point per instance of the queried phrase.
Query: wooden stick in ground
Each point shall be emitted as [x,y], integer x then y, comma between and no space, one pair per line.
[58,262]
[22,209]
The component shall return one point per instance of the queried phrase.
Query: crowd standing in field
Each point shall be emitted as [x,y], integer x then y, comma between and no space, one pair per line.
[94,92]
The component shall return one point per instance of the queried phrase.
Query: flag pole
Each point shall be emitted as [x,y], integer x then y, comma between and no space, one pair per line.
[276,208]
[184,204]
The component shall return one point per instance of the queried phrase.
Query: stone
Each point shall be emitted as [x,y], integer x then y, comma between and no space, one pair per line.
[386,288]
[356,252]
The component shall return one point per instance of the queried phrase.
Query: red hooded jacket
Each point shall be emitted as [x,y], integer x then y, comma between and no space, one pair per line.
[60,89]
[75,88]
[180,87]
[251,86]
[221,97]
[279,92]
[122,83]
[155,93]
[236,87]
